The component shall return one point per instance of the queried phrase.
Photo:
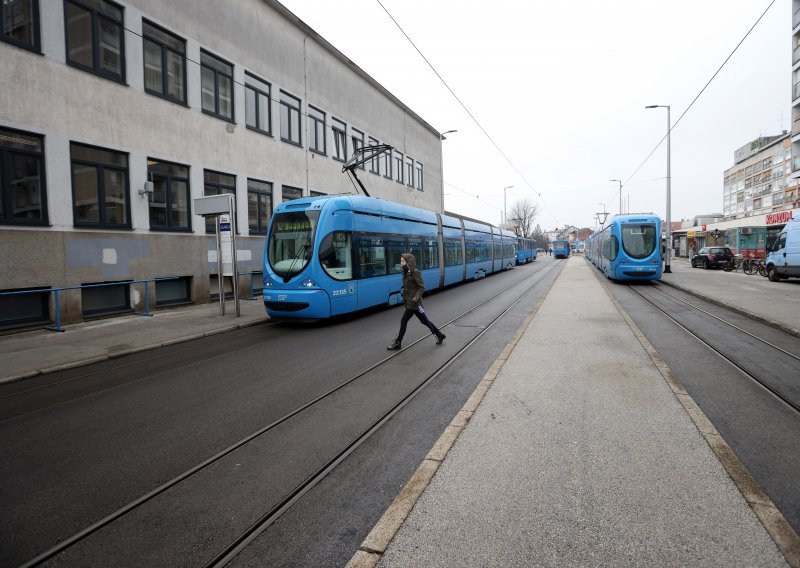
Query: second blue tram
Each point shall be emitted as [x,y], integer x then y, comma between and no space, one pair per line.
[629,248]
[561,248]
[526,251]
[331,255]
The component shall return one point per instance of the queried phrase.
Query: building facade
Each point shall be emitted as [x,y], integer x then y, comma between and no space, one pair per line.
[114,116]
[760,180]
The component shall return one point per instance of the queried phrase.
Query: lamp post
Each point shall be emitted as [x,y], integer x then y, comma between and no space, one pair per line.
[441,164]
[668,251]
[620,194]
[505,215]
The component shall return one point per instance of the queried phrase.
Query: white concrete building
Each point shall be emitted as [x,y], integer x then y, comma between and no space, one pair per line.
[198,97]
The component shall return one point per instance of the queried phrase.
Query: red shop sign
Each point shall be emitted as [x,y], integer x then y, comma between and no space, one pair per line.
[781,217]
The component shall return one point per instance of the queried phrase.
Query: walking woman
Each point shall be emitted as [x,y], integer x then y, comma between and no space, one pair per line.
[413,286]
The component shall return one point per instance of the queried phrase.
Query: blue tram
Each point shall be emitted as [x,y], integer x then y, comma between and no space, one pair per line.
[526,250]
[331,255]
[561,248]
[629,248]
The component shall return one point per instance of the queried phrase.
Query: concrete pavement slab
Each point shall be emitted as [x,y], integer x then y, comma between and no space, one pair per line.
[580,454]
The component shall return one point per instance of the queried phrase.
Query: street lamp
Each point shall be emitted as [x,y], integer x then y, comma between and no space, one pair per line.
[620,194]
[441,163]
[668,251]
[505,215]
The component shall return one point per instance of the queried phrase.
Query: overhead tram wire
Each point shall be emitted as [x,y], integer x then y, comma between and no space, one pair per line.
[672,126]
[475,120]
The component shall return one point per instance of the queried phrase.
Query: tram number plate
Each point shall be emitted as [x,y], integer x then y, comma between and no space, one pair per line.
[342,292]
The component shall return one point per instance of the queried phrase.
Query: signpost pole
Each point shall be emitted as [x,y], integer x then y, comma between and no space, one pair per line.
[220,277]
[235,271]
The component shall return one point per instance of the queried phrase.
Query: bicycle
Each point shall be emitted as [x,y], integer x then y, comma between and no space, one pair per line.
[735,264]
[756,265]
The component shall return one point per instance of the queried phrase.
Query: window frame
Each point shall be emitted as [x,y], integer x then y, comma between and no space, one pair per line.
[100,168]
[96,17]
[258,91]
[357,138]
[168,198]
[165,49]
[268,206]
[409,171]
[316,117]
[375,162]
[5,180]
[284,104]
[420,170]
[217,73]
[339,135]
[218,187]
[399,160]
[36,46]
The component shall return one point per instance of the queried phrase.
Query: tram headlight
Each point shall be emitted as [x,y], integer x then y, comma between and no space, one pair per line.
[308,283]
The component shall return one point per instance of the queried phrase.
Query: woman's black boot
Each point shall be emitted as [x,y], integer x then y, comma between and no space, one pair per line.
[394,346]
[439,338]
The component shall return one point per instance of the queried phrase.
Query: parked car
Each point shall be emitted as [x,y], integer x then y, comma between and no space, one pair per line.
[712,257]
[783,259]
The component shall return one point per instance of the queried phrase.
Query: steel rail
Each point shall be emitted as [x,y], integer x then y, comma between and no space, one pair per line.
[764,384]
[298,492]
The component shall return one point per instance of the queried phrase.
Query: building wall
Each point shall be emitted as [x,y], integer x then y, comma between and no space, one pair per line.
[43,95]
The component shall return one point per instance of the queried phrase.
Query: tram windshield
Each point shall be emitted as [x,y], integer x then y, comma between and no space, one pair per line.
[291,242]
[639,241]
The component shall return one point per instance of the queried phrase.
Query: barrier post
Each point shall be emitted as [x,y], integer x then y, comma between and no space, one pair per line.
[58,315]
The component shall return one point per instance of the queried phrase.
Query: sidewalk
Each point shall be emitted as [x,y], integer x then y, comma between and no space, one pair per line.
[34,352]
[576,461]
[774,303]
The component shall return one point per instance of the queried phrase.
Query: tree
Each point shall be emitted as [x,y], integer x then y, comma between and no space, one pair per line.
[540,239]
[521,217]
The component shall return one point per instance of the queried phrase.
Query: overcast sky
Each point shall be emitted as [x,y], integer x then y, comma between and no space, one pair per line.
[560,88]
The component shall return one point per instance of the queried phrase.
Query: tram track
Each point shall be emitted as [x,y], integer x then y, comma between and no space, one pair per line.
[310,481]
[777,383]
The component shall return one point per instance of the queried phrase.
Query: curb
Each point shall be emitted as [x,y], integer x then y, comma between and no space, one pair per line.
[786,540]
[374,546]
[131,351]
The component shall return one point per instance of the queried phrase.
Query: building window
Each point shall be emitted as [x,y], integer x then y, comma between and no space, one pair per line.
[290,119]
[398,167]
[215,183]
[387,164]
[313,193]
[22,179]
[289,193]
[216,84]
[409,171]
[169,206]
[358,142]
[419,176]
[374,163]
[20,23]
[339,139]
[257,107]
[99,187]
[164,63]
[316,130]
[259,206]
[95,40]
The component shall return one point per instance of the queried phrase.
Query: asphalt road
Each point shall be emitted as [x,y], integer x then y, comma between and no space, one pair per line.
[763,431]
[92,440]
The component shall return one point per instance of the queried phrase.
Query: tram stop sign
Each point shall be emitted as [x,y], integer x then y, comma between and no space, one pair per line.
[226,244]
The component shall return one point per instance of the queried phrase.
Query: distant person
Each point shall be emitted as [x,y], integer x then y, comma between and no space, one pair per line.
[413,286]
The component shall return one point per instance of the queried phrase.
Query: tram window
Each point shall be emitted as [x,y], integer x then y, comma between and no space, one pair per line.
[431,253]
[452,253]
[472,252]
[371,256]
[415,248]
[394,248]
[639,241]
[334,255]
[614,247]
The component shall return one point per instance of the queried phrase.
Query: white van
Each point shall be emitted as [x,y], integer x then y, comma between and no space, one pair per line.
[783,259]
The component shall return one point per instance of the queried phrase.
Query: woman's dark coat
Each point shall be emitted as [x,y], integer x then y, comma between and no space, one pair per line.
[413,284]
